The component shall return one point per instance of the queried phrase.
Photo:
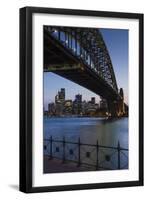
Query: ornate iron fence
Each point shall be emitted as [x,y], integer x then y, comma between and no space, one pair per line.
[97,156]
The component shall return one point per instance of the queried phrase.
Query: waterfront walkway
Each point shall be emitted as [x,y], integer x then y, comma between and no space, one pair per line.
[55,165]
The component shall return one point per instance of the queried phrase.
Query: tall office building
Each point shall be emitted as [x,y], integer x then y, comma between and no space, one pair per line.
[77,104]
[60,97]
[93,100]
[61,94]
[78,98]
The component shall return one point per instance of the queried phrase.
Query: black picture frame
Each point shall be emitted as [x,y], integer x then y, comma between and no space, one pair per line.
[26,99]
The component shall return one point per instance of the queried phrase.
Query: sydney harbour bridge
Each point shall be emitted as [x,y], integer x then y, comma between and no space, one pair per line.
[81,55]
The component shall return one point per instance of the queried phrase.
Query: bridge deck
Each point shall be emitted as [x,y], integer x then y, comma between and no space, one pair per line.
[61,61]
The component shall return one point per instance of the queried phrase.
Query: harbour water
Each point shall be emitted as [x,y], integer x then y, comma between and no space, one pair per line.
[107,132]
[90,130]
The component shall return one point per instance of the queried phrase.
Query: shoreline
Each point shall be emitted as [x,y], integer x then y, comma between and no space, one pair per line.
[76,116]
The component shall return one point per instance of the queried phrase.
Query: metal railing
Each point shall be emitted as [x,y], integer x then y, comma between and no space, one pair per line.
[97,156]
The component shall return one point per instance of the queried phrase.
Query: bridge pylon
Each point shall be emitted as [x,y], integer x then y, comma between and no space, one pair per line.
[116,108]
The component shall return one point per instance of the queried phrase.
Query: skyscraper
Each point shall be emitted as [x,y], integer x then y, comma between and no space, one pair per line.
[60,97]
[61,94]
[78,98]
[77,104]
[93,100]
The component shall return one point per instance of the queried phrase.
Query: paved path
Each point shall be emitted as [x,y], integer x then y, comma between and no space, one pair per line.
[56,165]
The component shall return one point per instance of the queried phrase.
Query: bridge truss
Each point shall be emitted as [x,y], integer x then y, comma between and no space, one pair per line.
[87,44]
[81,55]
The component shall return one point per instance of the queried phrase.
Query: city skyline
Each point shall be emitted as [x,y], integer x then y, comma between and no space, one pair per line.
[85,94]
[75,107]
[117,45]
[74,97]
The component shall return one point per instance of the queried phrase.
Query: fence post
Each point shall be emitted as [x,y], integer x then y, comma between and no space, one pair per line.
[51,148]
[63,159]
[79,152]
[118,149]
[75,43]
[97,155]
[59,35]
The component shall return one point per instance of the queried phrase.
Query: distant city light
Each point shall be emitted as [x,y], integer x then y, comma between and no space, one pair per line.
[62,106]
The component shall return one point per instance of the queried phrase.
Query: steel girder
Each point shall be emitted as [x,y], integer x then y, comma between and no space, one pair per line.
[88,45]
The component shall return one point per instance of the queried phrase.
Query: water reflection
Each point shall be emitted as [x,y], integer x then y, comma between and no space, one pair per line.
[108,132]
[90,131]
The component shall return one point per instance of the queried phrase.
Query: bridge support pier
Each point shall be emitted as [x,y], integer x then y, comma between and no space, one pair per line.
[117,108]
[112,108]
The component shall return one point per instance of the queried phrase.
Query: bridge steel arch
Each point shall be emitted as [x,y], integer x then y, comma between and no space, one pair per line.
[81,55]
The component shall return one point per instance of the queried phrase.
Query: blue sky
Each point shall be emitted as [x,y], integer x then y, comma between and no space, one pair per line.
[116,41]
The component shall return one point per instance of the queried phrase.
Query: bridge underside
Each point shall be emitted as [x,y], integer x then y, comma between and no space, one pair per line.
[85,78]
[59,60]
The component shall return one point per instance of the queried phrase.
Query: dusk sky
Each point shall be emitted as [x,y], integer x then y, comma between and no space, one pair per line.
[116,41]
